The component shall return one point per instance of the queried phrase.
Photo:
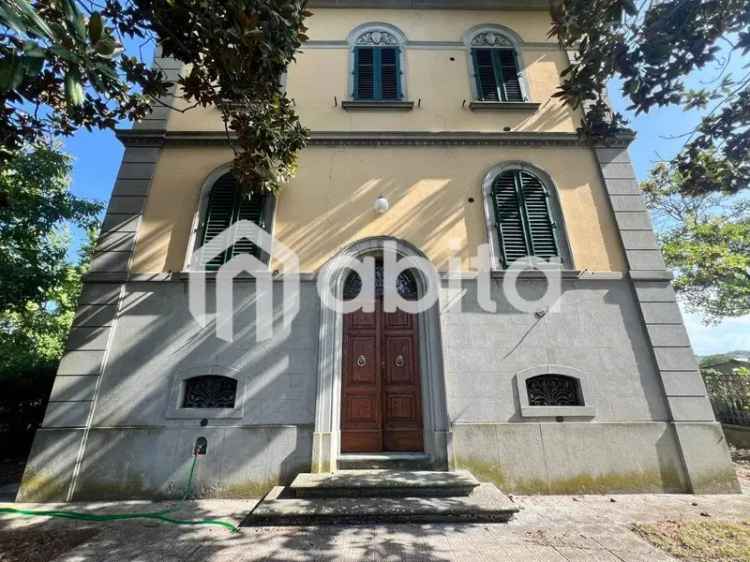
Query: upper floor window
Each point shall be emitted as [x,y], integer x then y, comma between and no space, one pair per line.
[377,73]
[228,204]
[523,216]
[495,65]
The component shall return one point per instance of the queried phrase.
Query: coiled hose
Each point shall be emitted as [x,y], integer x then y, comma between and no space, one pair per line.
[158,515]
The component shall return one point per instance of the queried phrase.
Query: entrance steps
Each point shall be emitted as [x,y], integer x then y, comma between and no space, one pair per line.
[391,461]
[382,496]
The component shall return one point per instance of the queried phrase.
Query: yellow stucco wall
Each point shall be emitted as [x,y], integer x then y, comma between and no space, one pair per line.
[442,84]
[330,202]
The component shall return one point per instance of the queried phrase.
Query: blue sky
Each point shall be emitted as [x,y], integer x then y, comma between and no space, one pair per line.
[97,157]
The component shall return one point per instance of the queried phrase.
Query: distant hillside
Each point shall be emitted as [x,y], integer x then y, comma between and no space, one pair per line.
[737,355]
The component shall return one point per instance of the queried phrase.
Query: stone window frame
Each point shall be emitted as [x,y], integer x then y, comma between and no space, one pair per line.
[514,41]
[529,411]
[496,261]
[436,423]
[175,410]
[201,208]
[402,41]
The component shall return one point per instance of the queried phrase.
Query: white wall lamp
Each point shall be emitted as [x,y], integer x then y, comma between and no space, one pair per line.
[381,205]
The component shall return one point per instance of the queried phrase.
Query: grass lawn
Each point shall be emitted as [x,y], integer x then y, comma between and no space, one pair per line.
[700,540]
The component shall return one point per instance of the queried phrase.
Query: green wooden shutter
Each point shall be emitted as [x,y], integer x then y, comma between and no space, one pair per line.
[523,218]
[484,71]
[509,220]
[511,85]
[226,206]
[249,208]
[219,215]
[364,73]
[389,72]
[541,226]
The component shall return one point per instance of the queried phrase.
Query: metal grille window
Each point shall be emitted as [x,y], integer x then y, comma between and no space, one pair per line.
[523,219]
[377,73]
[227,204]
[554,390]
[209,391]
[496,72]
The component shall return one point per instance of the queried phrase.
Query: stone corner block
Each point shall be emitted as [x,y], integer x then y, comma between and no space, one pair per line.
[706,455]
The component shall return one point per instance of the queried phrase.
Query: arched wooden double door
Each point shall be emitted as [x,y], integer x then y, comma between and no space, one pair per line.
[381,383]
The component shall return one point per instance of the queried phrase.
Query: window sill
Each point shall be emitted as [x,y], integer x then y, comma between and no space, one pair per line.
[503,106]
[383,105]
[557,412]
[537,272]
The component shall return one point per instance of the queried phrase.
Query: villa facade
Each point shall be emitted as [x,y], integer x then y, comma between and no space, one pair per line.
[443,112]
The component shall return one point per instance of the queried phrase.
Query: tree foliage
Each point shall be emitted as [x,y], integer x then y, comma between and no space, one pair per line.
[32,341]
[655,47]
[706,241]
[32,240]
[62,66]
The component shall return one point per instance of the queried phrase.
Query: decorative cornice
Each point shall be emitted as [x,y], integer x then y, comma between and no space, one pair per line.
[450,45]
[311,277]
[433,4]
[135,137]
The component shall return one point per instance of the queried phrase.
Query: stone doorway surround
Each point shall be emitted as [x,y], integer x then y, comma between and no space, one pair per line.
[326,438]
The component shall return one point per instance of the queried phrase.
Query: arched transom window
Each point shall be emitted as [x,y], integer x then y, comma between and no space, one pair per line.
[377,72]
[496,69]
[523,216]
[228,204]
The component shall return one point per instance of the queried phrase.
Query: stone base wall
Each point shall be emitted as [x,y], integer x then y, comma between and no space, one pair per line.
[114,428]
[154,463]
[584,458]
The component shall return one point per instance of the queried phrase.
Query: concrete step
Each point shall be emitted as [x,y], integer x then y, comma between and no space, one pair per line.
[393,461]
[280,508]
[384,483]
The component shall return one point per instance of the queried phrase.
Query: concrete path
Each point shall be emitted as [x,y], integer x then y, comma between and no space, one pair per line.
[548,528]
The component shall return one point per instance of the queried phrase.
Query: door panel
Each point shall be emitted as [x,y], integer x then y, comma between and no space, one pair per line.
[361,416]
[402,394]
[381,395]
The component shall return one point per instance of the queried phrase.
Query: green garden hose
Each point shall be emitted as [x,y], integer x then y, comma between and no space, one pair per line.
[158,515]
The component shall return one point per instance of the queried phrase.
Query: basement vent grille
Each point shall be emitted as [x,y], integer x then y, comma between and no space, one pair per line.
[554,390]
[209,391]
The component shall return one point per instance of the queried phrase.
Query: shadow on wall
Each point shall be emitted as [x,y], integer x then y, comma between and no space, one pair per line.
[597,330]
[132,451]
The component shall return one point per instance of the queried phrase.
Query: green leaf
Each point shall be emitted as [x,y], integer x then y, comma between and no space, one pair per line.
[32,49]
[107,47]
[31,65]
[74,94]
[11,19]
[95,27]
[11,73]
[40,26]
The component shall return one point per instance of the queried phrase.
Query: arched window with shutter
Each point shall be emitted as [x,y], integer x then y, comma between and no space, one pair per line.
[226,205]
[495,65]
[523,216]
[377,63]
